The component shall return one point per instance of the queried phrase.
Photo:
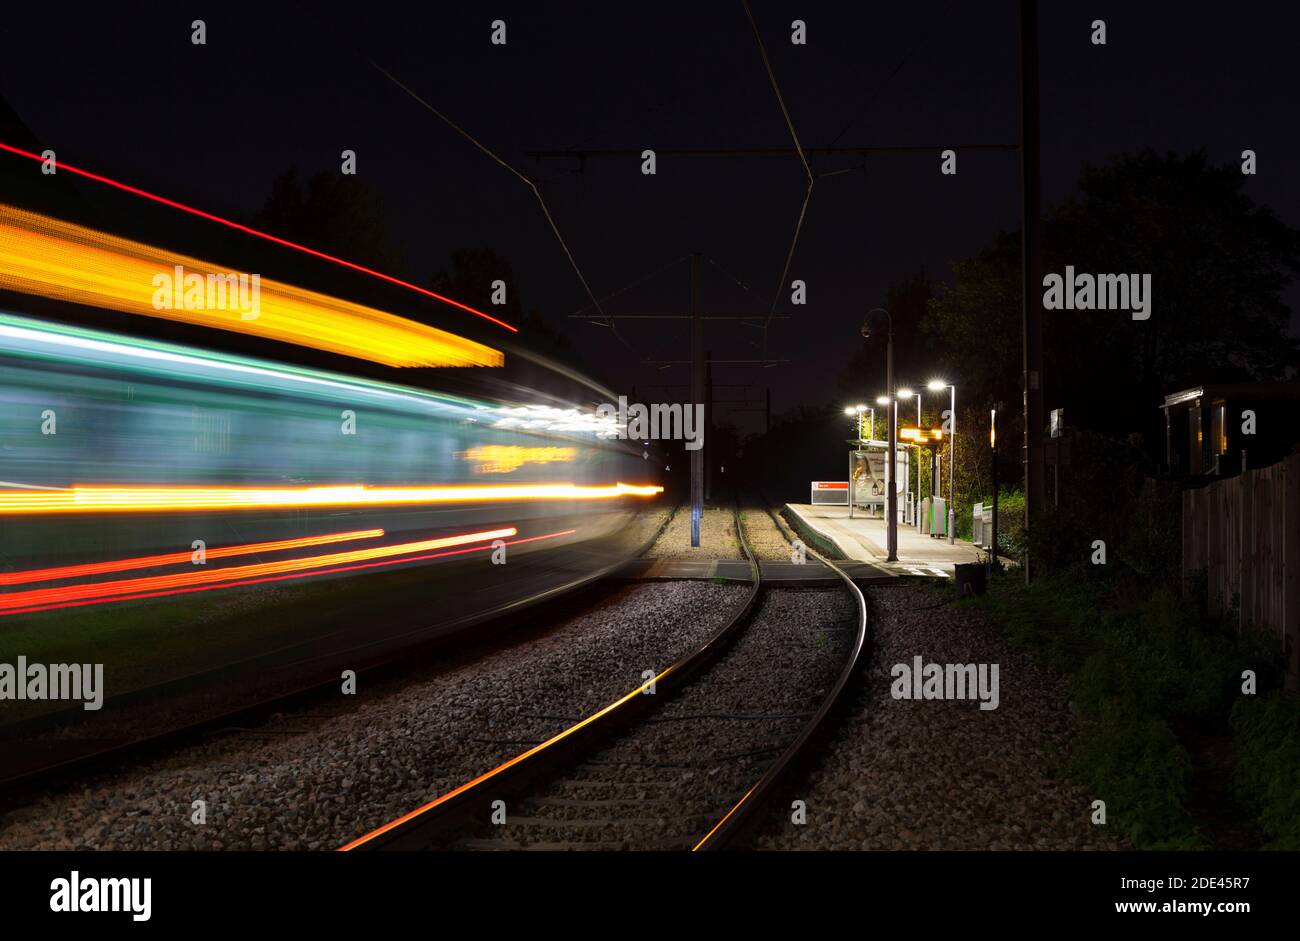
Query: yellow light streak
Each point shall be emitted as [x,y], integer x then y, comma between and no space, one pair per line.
[502,459]
[171,499]
[51,258]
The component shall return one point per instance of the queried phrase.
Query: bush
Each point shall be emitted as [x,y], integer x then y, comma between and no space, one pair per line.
[1140,661]
[1266,733]
[1135,763]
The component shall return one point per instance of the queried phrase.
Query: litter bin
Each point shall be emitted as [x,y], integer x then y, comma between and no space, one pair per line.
[970,578]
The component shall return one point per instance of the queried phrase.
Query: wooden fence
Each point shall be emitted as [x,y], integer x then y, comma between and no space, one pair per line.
[1244,534]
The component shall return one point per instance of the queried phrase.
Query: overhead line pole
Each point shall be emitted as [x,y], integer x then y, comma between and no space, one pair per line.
[1032,252]
[697,395]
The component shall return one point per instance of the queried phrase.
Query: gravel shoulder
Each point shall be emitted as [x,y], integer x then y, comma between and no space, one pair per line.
[766,541]
[318,777]
[717,537]
[940,774]
[666,782]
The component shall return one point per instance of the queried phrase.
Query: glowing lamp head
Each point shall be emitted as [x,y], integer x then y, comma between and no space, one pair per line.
[936,385]
[882,400]
[905,393]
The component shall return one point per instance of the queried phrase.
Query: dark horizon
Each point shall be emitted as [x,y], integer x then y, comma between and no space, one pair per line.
[290,94]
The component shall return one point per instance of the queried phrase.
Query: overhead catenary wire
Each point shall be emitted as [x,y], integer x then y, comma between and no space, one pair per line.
[528,181]
[632,284]
[803,158]
[875,96]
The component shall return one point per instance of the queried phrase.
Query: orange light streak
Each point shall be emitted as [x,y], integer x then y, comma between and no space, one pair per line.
[175,558]
[295,575]
[169,499]
[47,596]
[60,260]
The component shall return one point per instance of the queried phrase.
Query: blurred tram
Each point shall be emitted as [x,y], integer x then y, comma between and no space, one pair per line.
[215,528]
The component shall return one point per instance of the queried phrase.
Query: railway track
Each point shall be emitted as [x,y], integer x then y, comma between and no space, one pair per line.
[125,750]
[680,762]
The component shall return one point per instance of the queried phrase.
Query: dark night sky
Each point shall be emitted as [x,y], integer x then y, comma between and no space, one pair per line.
[118,88]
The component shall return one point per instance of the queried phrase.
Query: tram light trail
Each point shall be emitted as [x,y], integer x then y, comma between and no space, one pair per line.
[242,583]
[174,499]
[176,558]
[60,260]
[69,168]
[43,597]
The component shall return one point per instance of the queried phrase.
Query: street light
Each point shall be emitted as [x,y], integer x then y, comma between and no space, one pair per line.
[906,393]
[856,411]
[878,321]
[938,385]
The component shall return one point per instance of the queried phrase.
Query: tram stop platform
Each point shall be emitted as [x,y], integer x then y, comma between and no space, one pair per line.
[862,539]
[811,574]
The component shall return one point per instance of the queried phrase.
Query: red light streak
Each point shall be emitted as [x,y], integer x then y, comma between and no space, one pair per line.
[255,232]
[175,558]
[41,596]
[280,578]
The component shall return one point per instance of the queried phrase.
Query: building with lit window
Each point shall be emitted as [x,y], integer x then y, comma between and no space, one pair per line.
[1221,430]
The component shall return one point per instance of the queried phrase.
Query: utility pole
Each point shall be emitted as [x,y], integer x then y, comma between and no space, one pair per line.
[891,454]
[708,423]
[993,458]
[1032,253]
[697,396]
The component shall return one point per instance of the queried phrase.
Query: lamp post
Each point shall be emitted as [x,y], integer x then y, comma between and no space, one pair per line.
[993,453]
[876,322]
[915,507]
[855,412]
[905,393]
[938,385]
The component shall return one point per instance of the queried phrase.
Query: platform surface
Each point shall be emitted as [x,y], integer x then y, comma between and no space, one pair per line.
[776,573]
[862,539]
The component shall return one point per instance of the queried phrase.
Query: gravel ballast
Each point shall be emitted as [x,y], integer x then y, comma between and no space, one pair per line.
[310,779]
[766,541]
[717,536]
[941,774]
[670,778]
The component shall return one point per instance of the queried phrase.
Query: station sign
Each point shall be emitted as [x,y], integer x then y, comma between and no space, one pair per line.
[830,492]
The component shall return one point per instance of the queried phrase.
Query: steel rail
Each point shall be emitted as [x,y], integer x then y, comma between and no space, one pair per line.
[735,821]
[422,827]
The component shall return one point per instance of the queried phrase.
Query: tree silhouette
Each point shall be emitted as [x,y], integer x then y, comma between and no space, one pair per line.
[333,213]
[1218,266]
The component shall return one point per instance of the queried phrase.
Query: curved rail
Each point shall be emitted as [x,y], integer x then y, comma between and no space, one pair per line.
[735,820]
[140,747]
[418,828]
